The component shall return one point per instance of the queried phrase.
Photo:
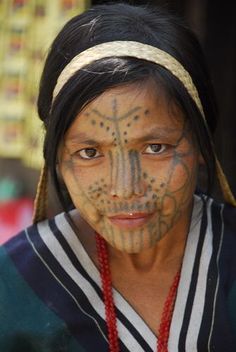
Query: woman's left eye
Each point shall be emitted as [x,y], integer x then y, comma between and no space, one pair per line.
[155,148]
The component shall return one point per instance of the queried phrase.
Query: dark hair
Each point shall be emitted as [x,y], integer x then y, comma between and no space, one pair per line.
[119,21]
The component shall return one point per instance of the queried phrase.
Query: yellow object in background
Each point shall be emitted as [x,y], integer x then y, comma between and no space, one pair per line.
[27,29]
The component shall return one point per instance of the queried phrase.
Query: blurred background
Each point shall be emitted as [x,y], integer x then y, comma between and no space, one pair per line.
[27,28]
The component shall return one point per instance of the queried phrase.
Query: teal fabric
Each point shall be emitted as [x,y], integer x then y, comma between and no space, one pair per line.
[35,328]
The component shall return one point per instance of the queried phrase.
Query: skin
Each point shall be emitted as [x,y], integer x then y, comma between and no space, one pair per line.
[131,150]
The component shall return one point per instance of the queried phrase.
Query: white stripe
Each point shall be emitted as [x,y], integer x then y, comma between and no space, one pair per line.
[200,292]
[186,275]
[58,280]
[218,278]
[138,323]
[88,265]
[58,252]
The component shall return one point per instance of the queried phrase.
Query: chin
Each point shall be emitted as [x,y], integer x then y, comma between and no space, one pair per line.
[133,242]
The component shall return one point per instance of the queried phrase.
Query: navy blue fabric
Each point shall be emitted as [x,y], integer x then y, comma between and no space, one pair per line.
[52,285]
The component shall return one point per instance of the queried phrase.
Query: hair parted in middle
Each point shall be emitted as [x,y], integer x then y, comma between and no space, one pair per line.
[123,22]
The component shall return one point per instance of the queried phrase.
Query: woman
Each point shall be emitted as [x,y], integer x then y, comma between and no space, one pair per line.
[142,262]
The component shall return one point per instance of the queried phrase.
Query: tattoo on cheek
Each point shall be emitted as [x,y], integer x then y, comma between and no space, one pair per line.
[158,197]
[174,198]
[98,193]
[97,190]
[78,192]
[170,200]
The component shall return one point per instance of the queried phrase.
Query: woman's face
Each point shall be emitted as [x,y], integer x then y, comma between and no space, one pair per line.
[130,165]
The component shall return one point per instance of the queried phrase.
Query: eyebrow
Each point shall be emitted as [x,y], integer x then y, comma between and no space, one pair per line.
[155,133]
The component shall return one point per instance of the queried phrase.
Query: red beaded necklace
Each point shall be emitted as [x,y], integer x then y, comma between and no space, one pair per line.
[164,328]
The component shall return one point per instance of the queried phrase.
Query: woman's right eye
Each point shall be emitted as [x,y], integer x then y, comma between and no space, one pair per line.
[88,153]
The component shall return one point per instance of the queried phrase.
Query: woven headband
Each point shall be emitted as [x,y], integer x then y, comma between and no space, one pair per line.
[139,51]
[130,49]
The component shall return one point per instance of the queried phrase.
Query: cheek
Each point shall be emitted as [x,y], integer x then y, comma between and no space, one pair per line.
[84,186]
[174,184]
[79,187]
[183,173]
[182,184]
[73,179]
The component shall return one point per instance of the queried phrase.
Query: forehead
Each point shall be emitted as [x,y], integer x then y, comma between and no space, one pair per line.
[135,108]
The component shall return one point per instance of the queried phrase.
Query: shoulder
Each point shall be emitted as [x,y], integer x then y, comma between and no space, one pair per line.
[27,314]
[18,243]
[21,248]
[16,250]
[223,224]
[20,268]
[220,222]
[223,217]
[229,257]
[224,221]
[229,218]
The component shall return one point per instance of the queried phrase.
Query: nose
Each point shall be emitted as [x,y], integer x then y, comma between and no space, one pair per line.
[126,178]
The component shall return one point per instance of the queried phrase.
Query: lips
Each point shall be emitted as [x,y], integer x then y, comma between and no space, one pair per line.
[130,220]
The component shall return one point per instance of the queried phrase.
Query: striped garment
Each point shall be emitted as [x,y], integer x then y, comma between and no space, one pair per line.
[51,299]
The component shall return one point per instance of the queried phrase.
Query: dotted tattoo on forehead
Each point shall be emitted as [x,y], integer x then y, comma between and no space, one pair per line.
[135,118]
[111,123]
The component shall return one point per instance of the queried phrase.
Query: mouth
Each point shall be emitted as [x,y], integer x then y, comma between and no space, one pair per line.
[130,220]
